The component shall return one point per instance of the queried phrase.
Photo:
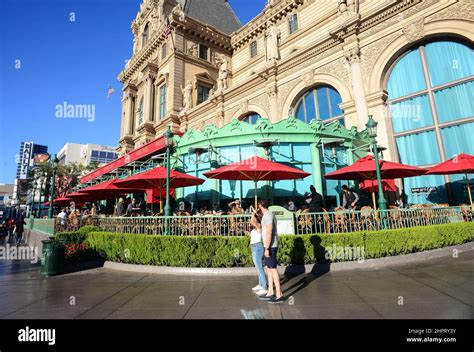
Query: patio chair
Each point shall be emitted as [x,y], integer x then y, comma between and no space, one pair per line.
[395,216]
[366,219]
[340,219]
[305,222]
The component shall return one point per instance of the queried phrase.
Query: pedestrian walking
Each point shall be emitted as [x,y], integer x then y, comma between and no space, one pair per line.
[270,242]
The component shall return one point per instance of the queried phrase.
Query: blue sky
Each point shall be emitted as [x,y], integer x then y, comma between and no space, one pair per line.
[65,51]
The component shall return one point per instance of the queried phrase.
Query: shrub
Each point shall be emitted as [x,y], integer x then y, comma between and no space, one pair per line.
[77,236]
[207,251]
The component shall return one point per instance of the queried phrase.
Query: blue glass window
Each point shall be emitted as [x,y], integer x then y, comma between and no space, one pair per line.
[425,189]
[203,93]
[449,61]
[457,139]
[335,100]
[418,149]
[417,106]
[293,23]
[251,118]
[321,103]
[163,101]
[411,114]
[455,102]
[407,76]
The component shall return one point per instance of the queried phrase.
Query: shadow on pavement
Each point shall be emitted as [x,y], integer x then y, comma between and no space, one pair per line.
[297,256]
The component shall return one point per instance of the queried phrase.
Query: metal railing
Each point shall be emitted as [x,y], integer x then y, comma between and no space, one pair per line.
[366,220]
[305,223]
[207,225]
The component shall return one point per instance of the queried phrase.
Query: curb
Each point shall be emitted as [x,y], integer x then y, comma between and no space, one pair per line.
[298,269]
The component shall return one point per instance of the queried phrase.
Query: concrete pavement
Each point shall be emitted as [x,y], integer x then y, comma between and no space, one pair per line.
[437,288]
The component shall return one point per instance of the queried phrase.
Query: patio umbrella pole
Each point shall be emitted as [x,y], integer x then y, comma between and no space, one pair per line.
[161,201]
[256,195]
[373,196]
[469,189]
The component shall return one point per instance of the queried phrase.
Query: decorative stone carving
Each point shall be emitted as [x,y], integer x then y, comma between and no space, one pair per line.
[223,72]
[372,52]
[414,30]
[352,54]
[193,50]
[346,7]
[187,92]
[273,36]
[464,9]
[308,78]
[284,90]
[178,11]
[272,90]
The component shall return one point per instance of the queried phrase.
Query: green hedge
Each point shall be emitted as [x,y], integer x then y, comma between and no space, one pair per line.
[77,236]
[217,252]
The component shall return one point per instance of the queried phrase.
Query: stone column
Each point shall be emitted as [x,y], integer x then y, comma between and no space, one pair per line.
[148,99]
[131,112]
[150,73]
[129,94]
[126,140]
[352,54]
[123,129]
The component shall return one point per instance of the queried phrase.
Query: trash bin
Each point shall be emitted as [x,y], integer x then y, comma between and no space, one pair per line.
[52,257]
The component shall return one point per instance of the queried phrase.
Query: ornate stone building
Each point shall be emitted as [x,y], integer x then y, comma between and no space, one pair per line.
[409,63]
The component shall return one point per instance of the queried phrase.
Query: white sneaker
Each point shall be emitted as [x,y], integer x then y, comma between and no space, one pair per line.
[261,292]
[257,288]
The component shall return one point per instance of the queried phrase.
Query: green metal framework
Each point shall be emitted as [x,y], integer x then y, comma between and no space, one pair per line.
[290,130]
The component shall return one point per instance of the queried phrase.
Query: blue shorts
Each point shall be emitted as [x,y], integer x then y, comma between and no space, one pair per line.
[271,261]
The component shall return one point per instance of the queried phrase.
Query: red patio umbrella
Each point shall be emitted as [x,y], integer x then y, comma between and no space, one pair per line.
[372,186]
[460,164]
[59,201]
[108,189]
[256,169]
[364,169]
[156,178]
[79,197]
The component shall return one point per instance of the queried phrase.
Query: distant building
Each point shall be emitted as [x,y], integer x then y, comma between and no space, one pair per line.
[6,194]
[30,155]
[85,154]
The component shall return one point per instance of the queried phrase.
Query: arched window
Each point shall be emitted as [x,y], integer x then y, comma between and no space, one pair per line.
[321,103]
[431,101]
[145,34]
[251,118]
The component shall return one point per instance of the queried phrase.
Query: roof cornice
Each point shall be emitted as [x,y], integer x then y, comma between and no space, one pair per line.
[271,14]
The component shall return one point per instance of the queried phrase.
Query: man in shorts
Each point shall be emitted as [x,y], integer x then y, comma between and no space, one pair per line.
[270,242]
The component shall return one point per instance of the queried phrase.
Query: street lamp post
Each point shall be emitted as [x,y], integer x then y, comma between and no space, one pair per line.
[372,129]
[168,135]
[32,212]
[42,180]
[53,181]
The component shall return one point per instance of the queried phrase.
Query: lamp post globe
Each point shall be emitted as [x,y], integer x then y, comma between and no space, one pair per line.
[372,130]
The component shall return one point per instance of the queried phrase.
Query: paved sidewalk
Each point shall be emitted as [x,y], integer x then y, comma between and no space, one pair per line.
[438,288]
